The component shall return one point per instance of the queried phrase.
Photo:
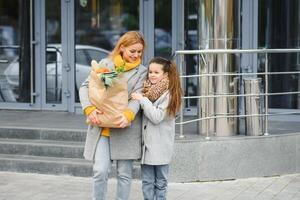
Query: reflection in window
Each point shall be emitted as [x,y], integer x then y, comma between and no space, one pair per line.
[163,29]
[191,43]
[81,58]
[51,57]
[101,23]
[15,76]
[84,56]
[279,27]
[98,26]
[53,71]
[96,55]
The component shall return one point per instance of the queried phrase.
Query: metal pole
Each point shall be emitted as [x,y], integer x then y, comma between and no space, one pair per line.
[234,51]
[207,104]
[266,94]
[31,55]
[181,60]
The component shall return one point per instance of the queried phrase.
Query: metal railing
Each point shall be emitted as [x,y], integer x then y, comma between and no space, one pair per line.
[266,74]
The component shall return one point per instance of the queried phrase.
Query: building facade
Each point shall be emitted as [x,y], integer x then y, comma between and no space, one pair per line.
[46,46]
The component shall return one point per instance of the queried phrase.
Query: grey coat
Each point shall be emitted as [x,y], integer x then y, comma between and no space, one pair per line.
[124,143]
[158,131]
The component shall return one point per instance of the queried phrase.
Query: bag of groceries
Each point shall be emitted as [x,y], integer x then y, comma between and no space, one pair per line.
[108,93]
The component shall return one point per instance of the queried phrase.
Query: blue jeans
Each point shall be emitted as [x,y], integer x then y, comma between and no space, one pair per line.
[101,170]
[155,181]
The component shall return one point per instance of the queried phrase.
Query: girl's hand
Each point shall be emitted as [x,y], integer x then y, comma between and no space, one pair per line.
[93,116]
[136,96]
[122,121]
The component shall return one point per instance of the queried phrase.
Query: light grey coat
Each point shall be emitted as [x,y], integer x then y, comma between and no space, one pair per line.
[158,131]
[124,143]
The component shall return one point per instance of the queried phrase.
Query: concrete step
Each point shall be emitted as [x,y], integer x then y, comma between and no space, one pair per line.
[43,133]
[51,165]
[45,165]
[46,148]
[47,151]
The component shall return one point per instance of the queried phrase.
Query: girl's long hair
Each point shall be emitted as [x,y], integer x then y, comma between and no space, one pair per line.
[174,84]
[129,38]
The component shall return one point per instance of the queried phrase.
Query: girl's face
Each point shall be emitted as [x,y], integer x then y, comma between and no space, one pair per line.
[156,73]
[132,53]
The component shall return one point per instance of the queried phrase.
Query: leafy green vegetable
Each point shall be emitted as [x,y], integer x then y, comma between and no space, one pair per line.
[107,77]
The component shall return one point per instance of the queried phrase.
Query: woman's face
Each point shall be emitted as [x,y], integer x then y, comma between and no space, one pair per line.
[156,73]
[132,53]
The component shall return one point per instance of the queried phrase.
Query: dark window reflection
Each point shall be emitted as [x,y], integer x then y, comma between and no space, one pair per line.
[163,28]
[15,75]
[53,52]
[279,27]
[101,23]
[191,43]
[98,26]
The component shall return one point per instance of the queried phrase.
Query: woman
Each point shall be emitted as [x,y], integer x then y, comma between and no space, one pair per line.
[121,144]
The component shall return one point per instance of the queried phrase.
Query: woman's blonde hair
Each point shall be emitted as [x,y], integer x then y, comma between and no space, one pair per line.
[174,84]
[128,39]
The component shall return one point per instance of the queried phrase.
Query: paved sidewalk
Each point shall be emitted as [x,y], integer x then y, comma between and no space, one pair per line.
[18,186]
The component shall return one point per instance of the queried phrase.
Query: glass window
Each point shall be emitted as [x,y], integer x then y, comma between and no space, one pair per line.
[85,56]
[15,66]
[96,55]
[53,71]
[163,28]
[98,26]
[191,43]
[51,57]
[81,57]
[100,23]
[279,27]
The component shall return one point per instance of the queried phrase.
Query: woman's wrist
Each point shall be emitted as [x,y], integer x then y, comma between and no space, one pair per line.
[88,110]
[129,114]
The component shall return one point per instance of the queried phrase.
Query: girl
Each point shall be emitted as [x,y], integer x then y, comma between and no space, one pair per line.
[160,101]
[121,144]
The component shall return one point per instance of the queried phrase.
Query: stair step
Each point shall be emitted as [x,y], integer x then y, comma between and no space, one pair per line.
[52,165]
[45,165]
[47,151]
[48,148]
[43,134]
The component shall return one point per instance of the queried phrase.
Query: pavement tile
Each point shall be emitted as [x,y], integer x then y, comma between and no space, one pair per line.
[20,186]
[285,196]
[296,196]
[244,197]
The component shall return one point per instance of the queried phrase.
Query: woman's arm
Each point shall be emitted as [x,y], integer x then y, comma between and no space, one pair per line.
[89,110]
[134,105]
[84,94]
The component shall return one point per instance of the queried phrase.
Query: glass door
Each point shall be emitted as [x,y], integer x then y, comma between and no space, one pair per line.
[279,27]
[16,54]
[31,56]
[98,26]
[53,72]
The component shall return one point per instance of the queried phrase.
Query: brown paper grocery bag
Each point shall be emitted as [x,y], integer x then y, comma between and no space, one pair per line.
[112,100]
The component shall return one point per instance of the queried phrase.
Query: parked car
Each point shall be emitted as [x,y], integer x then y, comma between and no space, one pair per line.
[84,54]
[7,38]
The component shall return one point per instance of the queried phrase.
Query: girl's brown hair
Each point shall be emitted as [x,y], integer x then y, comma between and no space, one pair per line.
[174,84]
[129,38]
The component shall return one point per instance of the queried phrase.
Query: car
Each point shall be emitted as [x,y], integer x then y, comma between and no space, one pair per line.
[84,54]
[8,38]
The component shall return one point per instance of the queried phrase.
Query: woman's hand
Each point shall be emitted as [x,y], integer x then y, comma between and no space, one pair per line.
[93,116]
[122,121]
[136,96]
